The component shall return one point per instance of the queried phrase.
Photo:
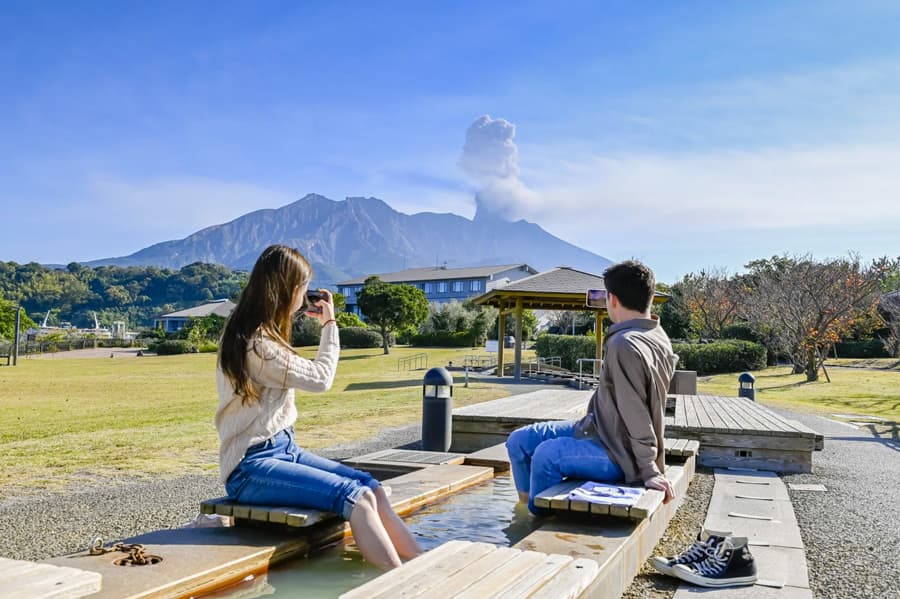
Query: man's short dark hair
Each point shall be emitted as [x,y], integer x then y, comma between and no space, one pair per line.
[632,282]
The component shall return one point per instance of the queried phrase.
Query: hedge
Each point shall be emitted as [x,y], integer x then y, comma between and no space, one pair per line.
[867,348]
[721,356]
[444,339]
[174,346]
[567,347]
[360,337]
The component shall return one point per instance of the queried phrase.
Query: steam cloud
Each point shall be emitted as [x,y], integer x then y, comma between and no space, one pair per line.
[490,157]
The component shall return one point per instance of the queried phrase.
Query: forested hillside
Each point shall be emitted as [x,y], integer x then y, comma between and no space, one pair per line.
[134,294]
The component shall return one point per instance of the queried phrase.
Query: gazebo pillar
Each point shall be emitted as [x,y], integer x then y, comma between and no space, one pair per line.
[518,371]
[501,333]
[598,333]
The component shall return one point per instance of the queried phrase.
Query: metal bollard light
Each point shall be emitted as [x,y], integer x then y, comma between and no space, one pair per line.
[437,410]
[746,386]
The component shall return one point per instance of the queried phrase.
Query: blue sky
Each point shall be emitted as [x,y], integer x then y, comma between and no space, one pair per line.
[689,135]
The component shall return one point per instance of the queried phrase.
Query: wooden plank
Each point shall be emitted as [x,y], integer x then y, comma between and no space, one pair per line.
[495,457]
[407,458]
[209,506]
[723,409]
[502,577]
[398,576]
[680,414]
[463,579]
[707,406]
[535,578]
[691,447]
[21,579]
[570,581]
[426,582]
[557,496]
[646,504]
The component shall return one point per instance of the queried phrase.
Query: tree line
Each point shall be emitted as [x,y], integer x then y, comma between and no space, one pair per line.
[135,294]
[796,306]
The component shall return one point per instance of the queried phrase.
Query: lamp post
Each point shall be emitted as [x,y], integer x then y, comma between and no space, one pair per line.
[437,410]
[746,387]
[15,356]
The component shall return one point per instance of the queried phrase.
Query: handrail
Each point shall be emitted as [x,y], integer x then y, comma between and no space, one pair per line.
[580,362]
[550,361]
[413,359]
[476,361]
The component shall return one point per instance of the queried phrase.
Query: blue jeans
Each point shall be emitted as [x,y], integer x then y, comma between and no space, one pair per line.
[545,453]
[278,472]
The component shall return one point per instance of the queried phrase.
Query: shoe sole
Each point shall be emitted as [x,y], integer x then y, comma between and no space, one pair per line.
[662,566]
[688,576]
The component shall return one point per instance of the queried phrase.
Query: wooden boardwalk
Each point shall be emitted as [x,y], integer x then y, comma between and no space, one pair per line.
[733,432]
[27,580]
[462,569]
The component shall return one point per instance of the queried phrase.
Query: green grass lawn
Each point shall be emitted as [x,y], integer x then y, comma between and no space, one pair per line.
[66,420]
[852,391]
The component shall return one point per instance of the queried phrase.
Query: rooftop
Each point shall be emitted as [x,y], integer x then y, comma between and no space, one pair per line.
[222,307]
[435,273]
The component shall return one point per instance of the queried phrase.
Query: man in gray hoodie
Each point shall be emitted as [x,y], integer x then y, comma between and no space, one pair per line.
[620,439]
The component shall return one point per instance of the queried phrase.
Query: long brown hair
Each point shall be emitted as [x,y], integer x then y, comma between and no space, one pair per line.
[264,306]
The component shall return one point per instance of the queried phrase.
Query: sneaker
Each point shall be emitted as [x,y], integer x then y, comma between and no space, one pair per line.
[729,565]
[706,543]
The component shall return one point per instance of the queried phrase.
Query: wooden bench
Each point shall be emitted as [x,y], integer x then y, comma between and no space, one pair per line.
[288,516]
[463,569]
[557,496]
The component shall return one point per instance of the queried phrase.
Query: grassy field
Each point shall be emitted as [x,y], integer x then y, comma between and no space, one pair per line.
[67,420]
[852,391]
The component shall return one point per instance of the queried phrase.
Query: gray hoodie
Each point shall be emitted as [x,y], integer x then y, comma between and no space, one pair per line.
[626,414]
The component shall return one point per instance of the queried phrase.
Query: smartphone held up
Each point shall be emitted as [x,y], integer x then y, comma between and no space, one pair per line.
[596,298]
[311,298]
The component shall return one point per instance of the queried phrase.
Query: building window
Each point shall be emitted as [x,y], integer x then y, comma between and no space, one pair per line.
[428,287]
[475,286]
[457,286]
[442,287]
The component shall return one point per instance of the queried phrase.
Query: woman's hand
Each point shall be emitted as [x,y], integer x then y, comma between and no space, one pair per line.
[326,308]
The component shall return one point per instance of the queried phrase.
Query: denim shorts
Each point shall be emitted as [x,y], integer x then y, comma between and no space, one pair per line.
[278,472]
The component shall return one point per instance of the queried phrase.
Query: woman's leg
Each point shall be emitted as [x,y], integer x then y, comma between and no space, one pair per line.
[402,538]
[523,442]
[370,534]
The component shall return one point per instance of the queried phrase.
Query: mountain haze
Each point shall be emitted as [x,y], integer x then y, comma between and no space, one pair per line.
[360,236]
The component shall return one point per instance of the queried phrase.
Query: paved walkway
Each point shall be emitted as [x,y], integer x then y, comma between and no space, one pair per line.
[851,530]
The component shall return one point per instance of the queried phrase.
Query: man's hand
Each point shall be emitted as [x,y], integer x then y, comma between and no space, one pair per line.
[660,483]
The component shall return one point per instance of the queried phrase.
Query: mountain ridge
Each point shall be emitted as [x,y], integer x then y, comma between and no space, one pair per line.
[363,235]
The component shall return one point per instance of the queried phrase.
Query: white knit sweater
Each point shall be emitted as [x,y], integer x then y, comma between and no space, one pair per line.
[275,371]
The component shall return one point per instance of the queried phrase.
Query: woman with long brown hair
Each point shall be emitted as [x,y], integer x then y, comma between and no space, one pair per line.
[259,460]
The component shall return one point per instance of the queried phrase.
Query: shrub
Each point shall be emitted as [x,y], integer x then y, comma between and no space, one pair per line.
[307,331]
[867,348]
[348,319]
[174,346]
[567,347]
[744,332]
[721,356]
[208,347]
[360,337]
[444,339]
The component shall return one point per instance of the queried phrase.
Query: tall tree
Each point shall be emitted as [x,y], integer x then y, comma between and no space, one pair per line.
[807,304]
[391,307]
[713,300]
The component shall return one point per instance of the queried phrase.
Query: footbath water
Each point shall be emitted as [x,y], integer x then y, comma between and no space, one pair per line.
[483,513]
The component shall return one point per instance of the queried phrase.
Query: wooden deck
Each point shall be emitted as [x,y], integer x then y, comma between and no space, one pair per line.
[26,580]
[733,432]
[462,569]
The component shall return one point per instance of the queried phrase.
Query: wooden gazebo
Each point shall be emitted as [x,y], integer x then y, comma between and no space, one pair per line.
[561,288]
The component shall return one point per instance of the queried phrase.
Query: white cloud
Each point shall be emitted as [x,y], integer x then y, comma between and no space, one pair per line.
[172,206]
[769,188]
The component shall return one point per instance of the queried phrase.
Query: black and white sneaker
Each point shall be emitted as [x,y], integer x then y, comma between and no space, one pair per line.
[730,565]
[707,542]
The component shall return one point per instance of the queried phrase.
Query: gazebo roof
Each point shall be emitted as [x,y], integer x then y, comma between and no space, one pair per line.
[561,288]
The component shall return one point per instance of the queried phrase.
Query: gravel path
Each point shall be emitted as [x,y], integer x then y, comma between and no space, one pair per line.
[851,531]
